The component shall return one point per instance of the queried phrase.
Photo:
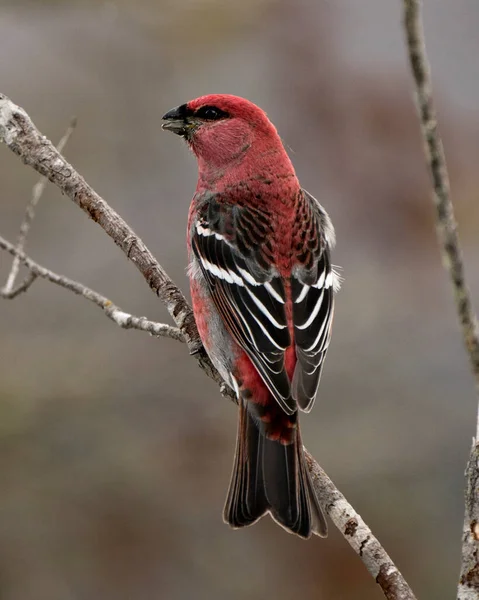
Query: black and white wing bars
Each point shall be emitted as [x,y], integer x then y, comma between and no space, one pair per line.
[312,317]
[313,284]
[232,248]
[232,244]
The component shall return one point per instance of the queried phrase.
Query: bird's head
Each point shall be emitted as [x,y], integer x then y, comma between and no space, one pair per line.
[221,128]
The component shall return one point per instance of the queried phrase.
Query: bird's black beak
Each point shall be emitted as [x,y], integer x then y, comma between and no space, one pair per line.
[180,120]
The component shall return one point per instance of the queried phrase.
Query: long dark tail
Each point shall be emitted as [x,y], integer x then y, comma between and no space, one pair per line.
[270,476]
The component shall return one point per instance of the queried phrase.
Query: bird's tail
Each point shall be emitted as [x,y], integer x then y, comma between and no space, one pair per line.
[271,476]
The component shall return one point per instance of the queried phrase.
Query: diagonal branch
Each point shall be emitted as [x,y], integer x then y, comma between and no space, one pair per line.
[453,262]
[359,536]
[19,133]
[113,312]
[37,192]
[22,137]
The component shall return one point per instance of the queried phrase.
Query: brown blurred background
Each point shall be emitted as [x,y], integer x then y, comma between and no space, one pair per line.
[115,450]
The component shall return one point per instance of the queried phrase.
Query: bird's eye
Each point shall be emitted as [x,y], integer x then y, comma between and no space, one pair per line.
[211,113]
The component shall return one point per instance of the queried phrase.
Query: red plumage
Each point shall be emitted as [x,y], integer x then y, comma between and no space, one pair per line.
[262,289]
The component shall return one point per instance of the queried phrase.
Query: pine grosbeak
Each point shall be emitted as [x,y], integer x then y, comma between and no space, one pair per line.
[262,287]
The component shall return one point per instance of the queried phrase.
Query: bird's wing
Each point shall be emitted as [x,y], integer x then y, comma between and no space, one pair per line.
[312,285]
[231,244]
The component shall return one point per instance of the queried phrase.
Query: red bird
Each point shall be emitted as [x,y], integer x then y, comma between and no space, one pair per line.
[262,287]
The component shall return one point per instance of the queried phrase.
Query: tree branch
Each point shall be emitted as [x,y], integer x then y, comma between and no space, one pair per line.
[113,312]
[358,535]
[19,133]
[11,293]
[453,262]
[37,193]
[22,137]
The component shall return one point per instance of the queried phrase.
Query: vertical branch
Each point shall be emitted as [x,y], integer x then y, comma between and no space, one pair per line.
[445,220]
[453,262]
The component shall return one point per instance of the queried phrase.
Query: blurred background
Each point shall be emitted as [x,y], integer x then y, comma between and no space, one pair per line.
[115,450]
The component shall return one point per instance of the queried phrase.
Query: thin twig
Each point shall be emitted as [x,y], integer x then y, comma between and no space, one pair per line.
[453,262]
[21,136]
[37,192]
[445,220]
[113,312]
[19,289]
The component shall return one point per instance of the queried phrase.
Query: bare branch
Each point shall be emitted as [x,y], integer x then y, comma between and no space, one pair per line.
[37,193]
[468,588]
[358,535]
[445,220]
[21,136]
[453,262]
[21,287]
[113,312]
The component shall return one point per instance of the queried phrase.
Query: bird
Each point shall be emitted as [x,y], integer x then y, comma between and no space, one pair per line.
[262,288]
